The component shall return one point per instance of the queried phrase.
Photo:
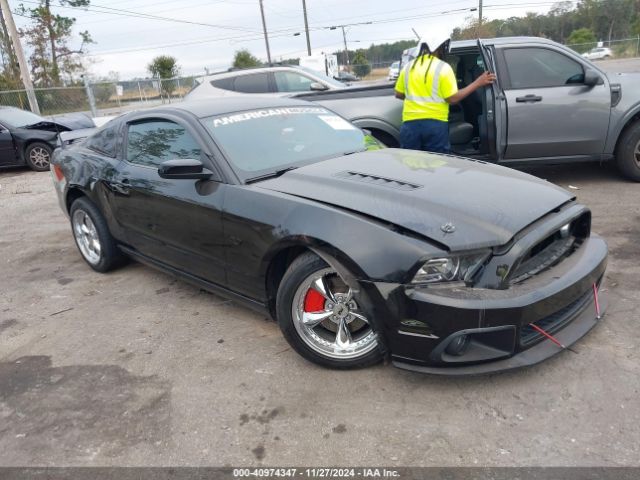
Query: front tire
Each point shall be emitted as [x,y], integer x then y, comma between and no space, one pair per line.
[628,152]
[38,156]
[322,319]
[93,239]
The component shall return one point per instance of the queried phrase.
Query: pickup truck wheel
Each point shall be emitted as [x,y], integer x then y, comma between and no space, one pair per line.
[628,153]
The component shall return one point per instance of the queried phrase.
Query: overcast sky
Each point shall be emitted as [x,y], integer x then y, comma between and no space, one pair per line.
[220,27]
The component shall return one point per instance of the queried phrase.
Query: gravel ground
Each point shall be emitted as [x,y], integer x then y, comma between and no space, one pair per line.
[620,65]
[137,368]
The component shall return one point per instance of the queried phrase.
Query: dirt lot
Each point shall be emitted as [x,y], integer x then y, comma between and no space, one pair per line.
[136,368]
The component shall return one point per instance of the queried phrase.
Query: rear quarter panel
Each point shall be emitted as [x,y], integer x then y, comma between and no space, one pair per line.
[88,172]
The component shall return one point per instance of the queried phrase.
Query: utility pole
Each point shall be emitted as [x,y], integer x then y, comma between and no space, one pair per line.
[346,49]
[306,26]
[344,37]
[479,16]
[92,99]
[22,62]
[264,28]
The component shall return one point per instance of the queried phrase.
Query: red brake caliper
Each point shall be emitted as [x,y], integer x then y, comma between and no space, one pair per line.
[313,301]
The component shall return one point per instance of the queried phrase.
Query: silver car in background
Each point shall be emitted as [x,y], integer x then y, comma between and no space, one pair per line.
[274,81]
[599,53]
[394,71]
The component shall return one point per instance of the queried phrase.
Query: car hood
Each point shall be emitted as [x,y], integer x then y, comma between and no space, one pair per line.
[628,80]
[74,121]
[463,204]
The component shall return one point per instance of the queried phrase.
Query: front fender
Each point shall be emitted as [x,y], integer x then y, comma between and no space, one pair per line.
[619,123]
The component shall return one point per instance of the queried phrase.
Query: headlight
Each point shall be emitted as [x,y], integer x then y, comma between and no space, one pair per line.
[454,268]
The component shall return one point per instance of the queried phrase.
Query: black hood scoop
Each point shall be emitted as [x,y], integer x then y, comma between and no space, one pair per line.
[376,180]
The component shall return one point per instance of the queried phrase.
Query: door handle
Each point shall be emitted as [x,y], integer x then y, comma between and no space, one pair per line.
[529,99]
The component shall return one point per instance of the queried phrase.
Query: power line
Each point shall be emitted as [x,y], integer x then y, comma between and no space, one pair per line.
[129,13]
[289,31]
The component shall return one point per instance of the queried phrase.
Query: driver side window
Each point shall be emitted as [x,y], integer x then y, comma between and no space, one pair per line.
[292,82]
[541,67]
[151,142]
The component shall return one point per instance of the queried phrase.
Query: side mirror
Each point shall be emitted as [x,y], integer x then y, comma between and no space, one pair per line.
[592,78]
[318,87]
[184,169]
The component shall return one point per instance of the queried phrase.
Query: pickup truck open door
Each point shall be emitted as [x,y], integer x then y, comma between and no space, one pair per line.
[557,106]
[495,108]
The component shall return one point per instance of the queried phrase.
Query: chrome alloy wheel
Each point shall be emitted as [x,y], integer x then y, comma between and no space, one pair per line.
[86,237]
[636,153]
[40,157]
[328,318]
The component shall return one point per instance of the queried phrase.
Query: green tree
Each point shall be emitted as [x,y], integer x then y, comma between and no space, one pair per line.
[582,40]
[244,59]
[361,66]
[49,35]
[165,68]
[10,71]
[581,35]
[472,30]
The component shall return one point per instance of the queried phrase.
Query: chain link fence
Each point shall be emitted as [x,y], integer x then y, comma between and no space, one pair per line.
[116,97]
[51,101]
[624,48]
[110,98]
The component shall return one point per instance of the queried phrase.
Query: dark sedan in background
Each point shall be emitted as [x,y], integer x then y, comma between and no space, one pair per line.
[449,265]
[29,139]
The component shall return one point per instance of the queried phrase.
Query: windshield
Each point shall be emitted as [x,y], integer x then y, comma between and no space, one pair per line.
[324,78]
[14,117]
[264,141]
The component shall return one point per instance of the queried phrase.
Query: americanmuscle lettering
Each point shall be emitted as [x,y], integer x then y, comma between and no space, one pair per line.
[244,116]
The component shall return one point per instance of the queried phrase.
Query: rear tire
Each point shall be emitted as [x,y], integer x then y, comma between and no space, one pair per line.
[322,320]
[38,156]
[92,236]
[628,152]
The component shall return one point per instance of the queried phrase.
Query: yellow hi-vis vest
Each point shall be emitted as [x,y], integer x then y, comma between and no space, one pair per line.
[426,99]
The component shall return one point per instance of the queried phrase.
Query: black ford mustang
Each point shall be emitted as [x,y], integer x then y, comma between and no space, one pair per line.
[358,251]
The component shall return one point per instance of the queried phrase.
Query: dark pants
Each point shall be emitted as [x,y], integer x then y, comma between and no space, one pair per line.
[428,135]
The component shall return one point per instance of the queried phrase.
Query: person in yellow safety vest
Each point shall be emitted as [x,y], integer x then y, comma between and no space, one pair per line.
[427,85]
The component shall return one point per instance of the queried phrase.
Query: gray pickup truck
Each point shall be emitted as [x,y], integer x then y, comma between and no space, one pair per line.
[548,105]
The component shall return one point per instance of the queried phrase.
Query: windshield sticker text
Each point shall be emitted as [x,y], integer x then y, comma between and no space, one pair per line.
[271,112]
[336,122]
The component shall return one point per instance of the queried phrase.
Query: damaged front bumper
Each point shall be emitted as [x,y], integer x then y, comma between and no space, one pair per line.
[463,331]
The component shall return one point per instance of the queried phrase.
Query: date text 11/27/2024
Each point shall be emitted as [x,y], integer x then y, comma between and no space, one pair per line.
[315,472]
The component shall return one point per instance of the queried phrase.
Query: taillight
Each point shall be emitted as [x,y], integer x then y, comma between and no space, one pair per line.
[57,172]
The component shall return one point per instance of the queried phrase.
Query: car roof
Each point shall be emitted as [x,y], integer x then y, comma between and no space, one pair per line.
[219,106]
[500,41]
[232,72]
